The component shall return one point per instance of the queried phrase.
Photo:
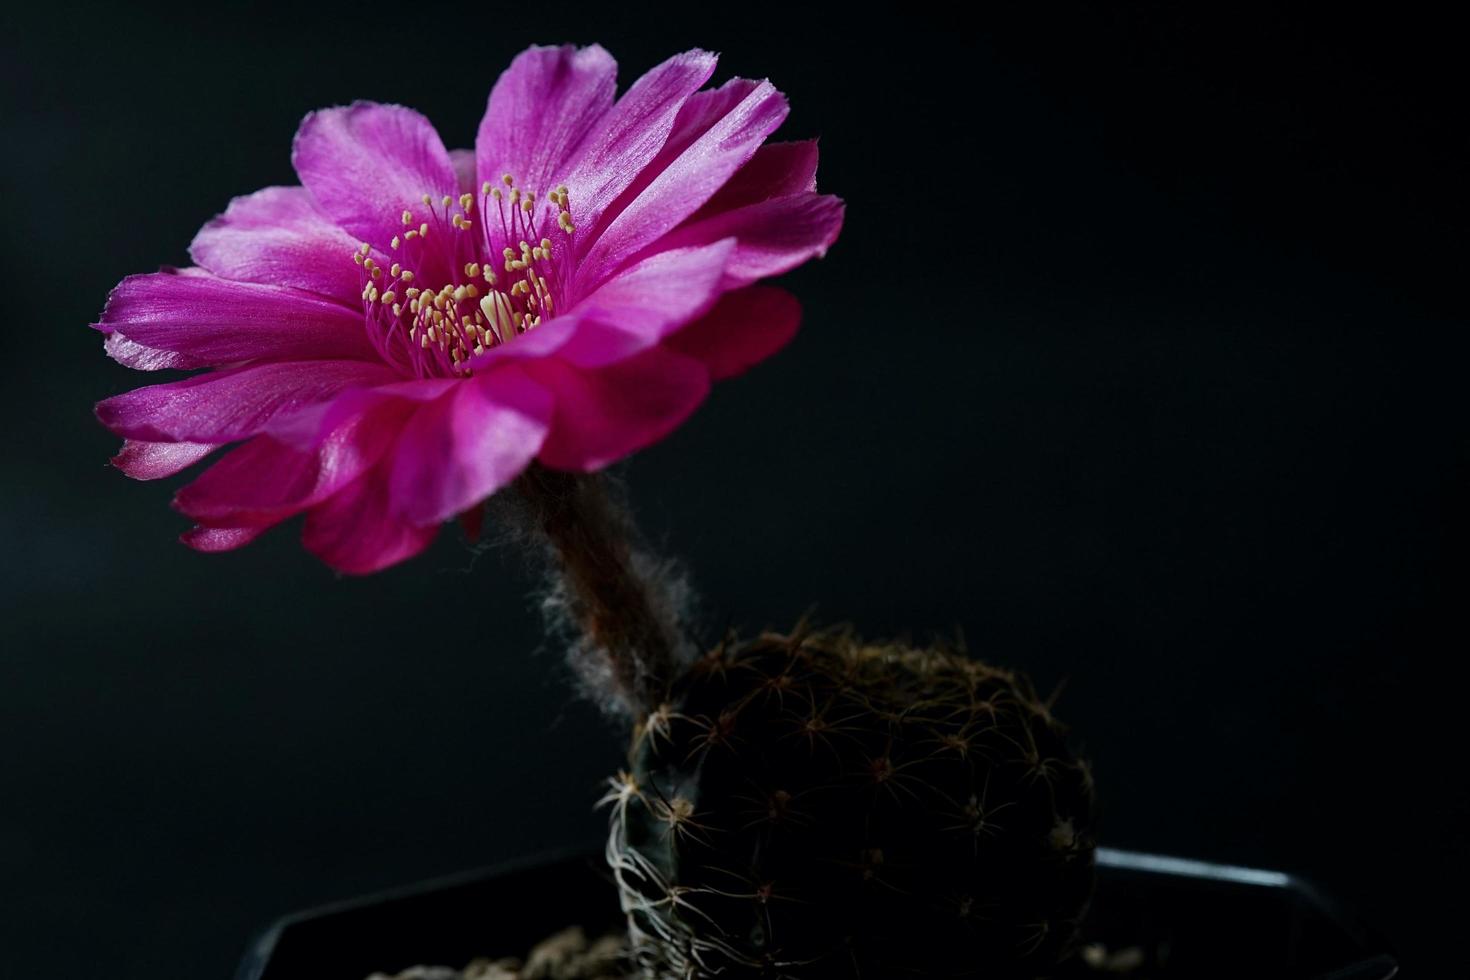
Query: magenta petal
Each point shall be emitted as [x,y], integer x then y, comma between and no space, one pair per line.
[773,236]
[606,414]
[277,236]
[634,131]
[264,481]
[776,170]
[367,163]
[685,180]
[207,320]
[156,460]
[309,427]
[541,111]
[354,531]
[745,328]
[225,406]
[646,302]
[464,170]
[211,540]
[462,448]
[131,354]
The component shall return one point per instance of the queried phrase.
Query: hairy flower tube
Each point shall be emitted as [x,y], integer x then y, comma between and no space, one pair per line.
[410,329]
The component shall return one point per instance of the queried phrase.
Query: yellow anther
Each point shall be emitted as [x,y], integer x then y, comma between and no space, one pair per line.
[407,217]
[411,291]
[357,257]
[397,309]
[394,269]
[515,195]
[565,221]
[424,228]
[389,296]
[407,276]
[495,193]
[546,245]
[411,234]
[471,290]
[561,189]
[467,201]
[489,274]
[427,200]
[377,272]
[447,200]
[364,248]
[459,294]
[527,204]
[465,223]
[508,180]
[485,188]
[396,241]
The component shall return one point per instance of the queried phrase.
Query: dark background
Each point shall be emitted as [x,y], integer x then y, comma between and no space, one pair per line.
[1141,359]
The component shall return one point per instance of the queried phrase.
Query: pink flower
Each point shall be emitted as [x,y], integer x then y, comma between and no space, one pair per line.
[402,335]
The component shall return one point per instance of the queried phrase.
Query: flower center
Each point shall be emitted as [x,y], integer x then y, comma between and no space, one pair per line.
[466,276]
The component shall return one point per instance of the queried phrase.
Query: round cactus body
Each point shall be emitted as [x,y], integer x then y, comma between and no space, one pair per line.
[812,807]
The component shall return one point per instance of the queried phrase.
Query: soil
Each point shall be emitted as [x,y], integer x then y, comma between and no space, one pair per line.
[567,955]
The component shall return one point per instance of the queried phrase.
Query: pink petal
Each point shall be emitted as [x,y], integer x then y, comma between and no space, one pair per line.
[354,531]
[265,481]
[224,406]
[773,236]
[278,237]
[686,173]
[745,328]
[541,111]
[211,540]
[462,448]
[311,426]
[464,170]
[367,163]
[776,170]
[207,320]
[644,303]
[140,358]
[634,131]
[606,414]
[156,460]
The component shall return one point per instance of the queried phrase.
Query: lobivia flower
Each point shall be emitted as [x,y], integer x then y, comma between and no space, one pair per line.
[403,334]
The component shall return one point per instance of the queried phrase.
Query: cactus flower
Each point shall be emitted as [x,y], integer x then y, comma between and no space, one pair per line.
[408,330]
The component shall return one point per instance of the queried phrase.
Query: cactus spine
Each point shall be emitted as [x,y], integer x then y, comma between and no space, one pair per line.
[812,807]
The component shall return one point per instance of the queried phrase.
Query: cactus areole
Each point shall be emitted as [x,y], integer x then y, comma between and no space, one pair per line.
[811,806]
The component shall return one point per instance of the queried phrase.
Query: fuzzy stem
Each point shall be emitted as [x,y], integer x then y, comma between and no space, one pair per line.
[630,636]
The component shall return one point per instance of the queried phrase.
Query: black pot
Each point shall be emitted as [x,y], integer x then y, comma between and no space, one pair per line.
[1185,918]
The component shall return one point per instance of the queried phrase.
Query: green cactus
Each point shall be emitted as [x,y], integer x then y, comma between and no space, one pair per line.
[812,807]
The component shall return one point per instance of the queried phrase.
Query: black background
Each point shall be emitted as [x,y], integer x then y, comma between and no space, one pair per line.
[1141,359]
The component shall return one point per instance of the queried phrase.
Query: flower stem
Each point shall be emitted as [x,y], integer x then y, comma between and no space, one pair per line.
[618,600]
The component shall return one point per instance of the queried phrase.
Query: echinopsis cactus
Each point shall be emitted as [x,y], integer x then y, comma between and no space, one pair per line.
[811,806]
[413,331]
